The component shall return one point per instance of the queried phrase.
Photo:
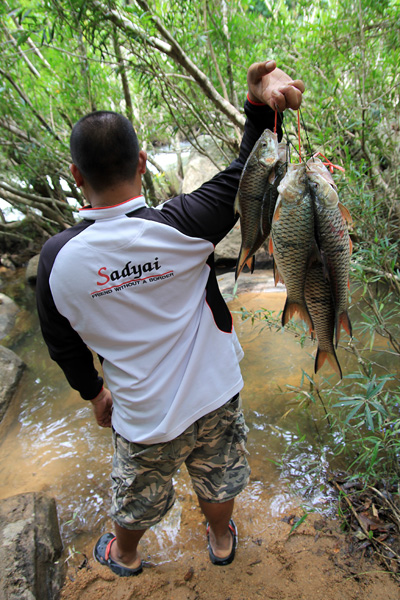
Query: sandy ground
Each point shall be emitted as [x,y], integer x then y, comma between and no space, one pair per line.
[313,563]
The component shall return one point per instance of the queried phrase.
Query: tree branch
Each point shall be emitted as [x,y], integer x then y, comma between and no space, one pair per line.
[25,98]
[171,48]
[33,198]
[122,72]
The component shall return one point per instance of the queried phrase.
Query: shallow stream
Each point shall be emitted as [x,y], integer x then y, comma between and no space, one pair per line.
[50,442]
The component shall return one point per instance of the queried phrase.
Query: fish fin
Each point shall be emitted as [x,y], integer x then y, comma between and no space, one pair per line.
[251,263]
[331,357]
[262,215]
[270,246]
[236,206]
[277,211]
[325,267]
[314,257]
[277,276]
[292,308]
[241,261]
[345,213]
[343,320]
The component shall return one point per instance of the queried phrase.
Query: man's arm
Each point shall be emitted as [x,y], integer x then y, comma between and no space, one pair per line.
[208,211]
[65,345]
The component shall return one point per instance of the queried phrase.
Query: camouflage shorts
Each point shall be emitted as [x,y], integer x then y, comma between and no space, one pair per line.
[213,449]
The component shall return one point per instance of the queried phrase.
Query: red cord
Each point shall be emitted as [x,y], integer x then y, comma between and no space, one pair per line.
[276,120]
[298,133]
[328,163]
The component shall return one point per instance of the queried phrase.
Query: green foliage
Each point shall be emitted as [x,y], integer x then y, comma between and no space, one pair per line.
[63,58]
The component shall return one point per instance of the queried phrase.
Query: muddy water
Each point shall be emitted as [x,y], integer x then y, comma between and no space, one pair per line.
[50,442]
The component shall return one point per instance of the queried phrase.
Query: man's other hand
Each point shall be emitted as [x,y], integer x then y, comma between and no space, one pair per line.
[102,408]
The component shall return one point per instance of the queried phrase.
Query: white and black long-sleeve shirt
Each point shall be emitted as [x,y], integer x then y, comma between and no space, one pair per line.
[137,285]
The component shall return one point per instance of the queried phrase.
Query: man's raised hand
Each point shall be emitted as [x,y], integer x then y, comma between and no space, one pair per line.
[269,85]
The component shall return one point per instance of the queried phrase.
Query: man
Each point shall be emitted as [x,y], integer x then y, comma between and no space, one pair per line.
[137,286]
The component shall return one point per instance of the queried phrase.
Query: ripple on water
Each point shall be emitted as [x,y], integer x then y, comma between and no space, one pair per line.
[50,441]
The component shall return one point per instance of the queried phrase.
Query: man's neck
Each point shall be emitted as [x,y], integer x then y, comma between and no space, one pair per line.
[113,195]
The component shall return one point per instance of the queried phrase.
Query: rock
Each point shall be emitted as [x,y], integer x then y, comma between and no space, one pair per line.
[260,281]
[199,170]
[30,548]
[8,312]
[31,269]
[227,251]
[11,369]
[6,261]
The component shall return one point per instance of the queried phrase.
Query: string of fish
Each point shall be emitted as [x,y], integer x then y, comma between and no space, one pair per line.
[297,207]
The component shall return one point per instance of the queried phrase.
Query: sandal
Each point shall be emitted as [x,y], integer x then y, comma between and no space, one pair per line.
[216,560]
[101,553]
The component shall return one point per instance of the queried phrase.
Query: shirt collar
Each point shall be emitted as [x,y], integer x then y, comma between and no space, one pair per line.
[108,212]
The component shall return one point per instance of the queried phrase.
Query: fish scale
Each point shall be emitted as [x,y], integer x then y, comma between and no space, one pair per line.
[319,300]
[250,196]
[292,239]
[335,246]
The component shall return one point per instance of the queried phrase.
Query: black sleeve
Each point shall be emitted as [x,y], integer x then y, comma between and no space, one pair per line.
[65,346]
[208,211]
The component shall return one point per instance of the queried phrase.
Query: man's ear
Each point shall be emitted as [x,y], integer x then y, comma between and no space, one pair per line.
[77,175]
[142,162]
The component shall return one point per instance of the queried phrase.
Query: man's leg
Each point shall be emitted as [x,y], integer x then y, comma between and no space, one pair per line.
[124,549]
[219,472]
[218,515]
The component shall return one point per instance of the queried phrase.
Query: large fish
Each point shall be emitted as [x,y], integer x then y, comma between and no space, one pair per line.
[271,192]
[270,198]
[252,186]
[334,244]
[320,305]
[292,239]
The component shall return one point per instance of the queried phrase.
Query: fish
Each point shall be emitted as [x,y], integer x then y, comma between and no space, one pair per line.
[334,243]
[315,165]
[320,305]
[270,198]
[250,195]
[271,192]
[292,239]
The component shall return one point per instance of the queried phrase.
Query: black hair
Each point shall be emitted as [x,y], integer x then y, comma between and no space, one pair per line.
[105,148]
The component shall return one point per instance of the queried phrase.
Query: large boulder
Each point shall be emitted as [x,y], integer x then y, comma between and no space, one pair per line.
[11,369]
[31,269]
[8,312]
[199,170]
[30,548]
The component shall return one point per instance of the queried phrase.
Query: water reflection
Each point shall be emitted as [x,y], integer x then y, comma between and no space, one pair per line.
[50,442]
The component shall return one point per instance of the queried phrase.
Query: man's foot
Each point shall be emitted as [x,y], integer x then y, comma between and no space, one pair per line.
[102,553]
[226,560]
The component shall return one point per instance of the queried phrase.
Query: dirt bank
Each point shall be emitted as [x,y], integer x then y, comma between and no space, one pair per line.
[314,563]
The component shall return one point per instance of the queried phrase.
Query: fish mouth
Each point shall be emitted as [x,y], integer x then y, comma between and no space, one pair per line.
[266,162]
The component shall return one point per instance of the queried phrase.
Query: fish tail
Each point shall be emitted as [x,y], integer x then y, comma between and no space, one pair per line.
[291,308]
[241,261]
[331,357]
[342,320]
